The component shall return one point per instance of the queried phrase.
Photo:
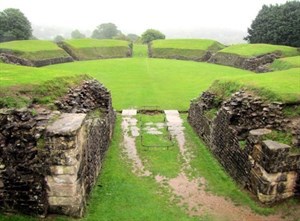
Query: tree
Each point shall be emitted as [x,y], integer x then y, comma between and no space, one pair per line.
[14,25]
[76,34]
[133,37]
[277,24]
[152,34]
[106,31]
[121,37]
[58,38]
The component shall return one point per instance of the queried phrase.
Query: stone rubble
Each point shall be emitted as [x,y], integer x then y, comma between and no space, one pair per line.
[50,160]
[259,165]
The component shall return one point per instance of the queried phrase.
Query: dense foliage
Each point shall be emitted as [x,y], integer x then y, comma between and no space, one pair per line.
[106,31]
[76,34]
[277,24]
[14,25]
[152,34]
[58,38]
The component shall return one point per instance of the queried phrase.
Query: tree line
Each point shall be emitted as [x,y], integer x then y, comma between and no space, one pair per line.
[274,24]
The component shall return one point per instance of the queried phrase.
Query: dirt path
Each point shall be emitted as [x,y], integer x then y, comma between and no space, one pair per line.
[130,132]
[191,192]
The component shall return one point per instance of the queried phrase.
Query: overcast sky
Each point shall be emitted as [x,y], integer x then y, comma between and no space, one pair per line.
[133,16]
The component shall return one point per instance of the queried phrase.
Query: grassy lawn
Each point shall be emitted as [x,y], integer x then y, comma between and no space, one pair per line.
[34,49]
[251,50]
[196,44]
[286,63]
[139,82]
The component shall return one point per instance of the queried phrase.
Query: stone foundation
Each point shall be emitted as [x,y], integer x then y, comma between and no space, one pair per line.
[265,167]
[257,64]
[13,59]
[50,160]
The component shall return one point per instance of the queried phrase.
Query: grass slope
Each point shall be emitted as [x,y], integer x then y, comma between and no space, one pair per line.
[183,49]
[33,49]
[274,86]
[252,50]
[92,43]
[195,44]
[87,49]
[286,63]
[22,85]
[139,82]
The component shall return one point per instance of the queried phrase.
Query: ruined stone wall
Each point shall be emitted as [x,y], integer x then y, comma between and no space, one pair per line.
[265,167]
[179,54]
[257,64]
[50,160]
[13,59]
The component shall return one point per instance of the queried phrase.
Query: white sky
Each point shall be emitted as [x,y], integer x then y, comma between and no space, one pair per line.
[133,16]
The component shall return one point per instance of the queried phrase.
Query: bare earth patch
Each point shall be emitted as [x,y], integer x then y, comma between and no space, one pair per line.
[191,192]
[130,132]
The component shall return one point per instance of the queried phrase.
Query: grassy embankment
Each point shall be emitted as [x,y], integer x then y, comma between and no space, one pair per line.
[286,63]
[88,49]
[252,50]
[185,49]
[33,49]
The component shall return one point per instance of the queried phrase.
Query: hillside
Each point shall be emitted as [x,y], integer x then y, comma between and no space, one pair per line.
[184,49]
[286,63]
[35,52]
[254,57]
[252,50]
[89,49]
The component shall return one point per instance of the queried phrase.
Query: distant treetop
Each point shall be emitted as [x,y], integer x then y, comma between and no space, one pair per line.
[14,25]
[277,24]
[106,31]
[76,34]
[152,34]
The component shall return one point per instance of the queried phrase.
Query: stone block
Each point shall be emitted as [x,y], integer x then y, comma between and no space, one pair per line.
[63,190]
[71,201]
[66,170]
[61,179]
[67,124]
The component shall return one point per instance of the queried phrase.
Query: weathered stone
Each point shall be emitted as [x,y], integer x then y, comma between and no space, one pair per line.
[50,155]
[260,132]
[267,168]
[64,170]
[67,124]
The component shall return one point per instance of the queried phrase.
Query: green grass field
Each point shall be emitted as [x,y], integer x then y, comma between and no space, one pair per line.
[33,49]
[169,84]
[195,44]
[137,82]
[251,50]
[286,63]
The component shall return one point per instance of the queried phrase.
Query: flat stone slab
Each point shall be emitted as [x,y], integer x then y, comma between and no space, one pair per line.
[273,145]
[171,112]
[260,132]
[67,124]
[129,112]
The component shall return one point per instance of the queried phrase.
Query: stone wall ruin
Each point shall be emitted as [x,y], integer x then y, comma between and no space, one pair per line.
[49,160]
[238,137]
[10,58]
[257,64]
